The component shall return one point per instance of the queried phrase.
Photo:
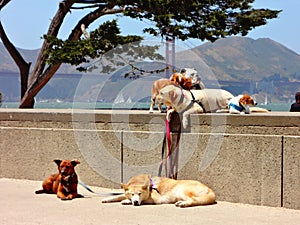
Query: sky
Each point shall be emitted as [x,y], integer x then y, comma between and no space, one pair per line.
[25,21]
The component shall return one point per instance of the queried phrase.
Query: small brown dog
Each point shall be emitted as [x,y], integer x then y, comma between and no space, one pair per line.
[64,183]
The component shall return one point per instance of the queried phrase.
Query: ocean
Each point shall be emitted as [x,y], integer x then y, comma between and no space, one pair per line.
[276,107]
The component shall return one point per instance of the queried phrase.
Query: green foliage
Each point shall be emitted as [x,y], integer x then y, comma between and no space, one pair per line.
[183,19]
[106,43]
[200,19]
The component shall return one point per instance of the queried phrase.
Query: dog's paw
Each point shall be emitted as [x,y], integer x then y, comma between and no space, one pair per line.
[66,199]
[106,200]
[182,204]
[126,202]
[185,123]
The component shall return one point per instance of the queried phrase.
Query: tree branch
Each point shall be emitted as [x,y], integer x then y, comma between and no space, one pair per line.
[35,83]
[3,3]
[19,60]
[90,6]
[39,79]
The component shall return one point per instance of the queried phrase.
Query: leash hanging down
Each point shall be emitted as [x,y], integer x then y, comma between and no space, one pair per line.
[171,156]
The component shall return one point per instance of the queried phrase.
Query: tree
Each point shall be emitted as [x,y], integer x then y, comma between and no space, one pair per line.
[183,19]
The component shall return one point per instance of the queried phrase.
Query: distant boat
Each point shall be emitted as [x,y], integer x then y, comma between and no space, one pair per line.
[43,101]
[129,101]
[119,99]
[266,101]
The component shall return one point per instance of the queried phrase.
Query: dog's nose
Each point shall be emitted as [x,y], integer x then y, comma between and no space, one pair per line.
[135,203]
[63,172]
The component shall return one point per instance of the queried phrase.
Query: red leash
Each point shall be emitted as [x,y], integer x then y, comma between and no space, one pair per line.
[168,166]
[170,161]
[167,138]
[168,133]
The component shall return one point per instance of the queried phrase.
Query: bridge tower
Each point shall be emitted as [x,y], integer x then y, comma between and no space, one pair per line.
[170,55]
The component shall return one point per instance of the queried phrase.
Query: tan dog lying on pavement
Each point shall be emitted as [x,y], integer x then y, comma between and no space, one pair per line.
[193,101]
[64,183]
[144,189]
[176,79]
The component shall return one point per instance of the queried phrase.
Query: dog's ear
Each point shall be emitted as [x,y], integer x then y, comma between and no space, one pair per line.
[173,95]
[246,99]
[147,183]
[124,186]
[75,162]
[187,84]
[57,161]
[145,186]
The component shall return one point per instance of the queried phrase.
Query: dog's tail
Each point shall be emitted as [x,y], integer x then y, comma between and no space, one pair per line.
[40,191]
[207,199]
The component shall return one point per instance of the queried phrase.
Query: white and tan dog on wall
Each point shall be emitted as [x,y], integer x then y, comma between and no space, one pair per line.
[144,189]
[243,104]
[193,101]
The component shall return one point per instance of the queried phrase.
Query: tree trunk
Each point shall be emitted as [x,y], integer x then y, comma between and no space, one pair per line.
[39,78]
[31,85]
[23,66]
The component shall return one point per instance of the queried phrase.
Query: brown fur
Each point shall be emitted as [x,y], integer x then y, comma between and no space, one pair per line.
[180,79]
[64,183]
[144,189]
[247,100]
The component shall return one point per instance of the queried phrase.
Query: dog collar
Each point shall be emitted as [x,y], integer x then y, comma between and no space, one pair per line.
[152,187]
[196,101]
[236,107]
[66,179]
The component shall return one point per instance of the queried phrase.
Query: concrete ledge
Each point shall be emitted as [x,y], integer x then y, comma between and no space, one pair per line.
[251,159]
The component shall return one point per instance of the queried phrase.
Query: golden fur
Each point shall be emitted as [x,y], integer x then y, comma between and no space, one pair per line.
[175,79]
[144,189]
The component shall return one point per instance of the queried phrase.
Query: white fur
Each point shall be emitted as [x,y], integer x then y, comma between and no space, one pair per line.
[182,101]
[235,107]
[193,74]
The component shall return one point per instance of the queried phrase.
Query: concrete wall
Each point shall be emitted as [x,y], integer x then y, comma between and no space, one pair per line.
[251,159]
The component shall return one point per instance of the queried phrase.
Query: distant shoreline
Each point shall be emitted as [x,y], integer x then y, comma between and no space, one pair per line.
[276,107]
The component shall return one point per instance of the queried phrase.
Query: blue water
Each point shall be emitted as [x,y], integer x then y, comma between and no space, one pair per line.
[276,107]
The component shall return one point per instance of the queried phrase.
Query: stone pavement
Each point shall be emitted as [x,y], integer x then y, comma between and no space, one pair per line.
[20,206]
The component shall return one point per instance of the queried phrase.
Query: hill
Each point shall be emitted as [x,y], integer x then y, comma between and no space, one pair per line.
[8,65]
[243,59]
[231,59]
[238,64]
